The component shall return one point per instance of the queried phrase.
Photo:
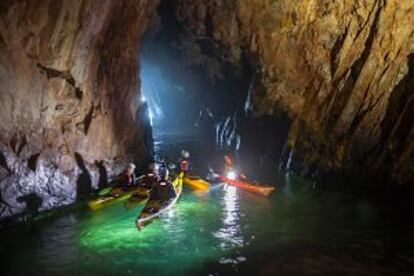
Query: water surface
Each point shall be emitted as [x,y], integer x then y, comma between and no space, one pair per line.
[298,230]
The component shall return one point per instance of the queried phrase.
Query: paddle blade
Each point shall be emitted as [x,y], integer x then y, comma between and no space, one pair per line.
[105,191]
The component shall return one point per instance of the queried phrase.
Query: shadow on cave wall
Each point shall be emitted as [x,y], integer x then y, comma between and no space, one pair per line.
[3,162]
[84,182]
[32,161]
[33,202]
[396,126]
[3,204]
[103,174]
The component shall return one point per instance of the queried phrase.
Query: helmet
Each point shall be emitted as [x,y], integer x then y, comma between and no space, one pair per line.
[131,166]
[163,172]
[185,154]
[151,167]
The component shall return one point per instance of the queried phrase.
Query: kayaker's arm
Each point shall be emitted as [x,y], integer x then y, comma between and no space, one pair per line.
[139,179]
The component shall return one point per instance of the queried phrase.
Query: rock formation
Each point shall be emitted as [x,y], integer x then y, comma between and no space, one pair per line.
[342,70]
[69,91]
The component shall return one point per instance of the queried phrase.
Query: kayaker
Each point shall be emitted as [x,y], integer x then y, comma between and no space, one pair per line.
[184,162]
[150,178]
[229,168]
[127,178]
[228,164]
[163,189]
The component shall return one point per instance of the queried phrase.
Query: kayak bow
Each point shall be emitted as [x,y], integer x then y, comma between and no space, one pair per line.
[197,183]
[260,190]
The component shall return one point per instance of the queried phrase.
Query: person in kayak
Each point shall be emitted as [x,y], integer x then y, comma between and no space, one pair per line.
[163,189]
[229,168]
[127,178]
[184,162]
[228,164]
[150,178]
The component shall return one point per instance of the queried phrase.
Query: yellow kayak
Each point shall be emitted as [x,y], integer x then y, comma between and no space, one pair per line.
[197,183]
[116,195]
[154,208]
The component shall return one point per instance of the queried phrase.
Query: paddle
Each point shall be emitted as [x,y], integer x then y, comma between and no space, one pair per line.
[105,191]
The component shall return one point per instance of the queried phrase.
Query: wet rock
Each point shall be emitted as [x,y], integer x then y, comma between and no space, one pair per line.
[68,84]
[341,70]
[51,187]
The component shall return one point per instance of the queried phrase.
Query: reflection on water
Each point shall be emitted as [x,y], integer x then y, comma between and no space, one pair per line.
[230,232]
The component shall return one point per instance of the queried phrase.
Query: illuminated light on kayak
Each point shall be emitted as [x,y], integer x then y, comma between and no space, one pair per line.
[231,175]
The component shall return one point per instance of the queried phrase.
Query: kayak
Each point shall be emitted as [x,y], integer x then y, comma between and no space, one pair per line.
[138,198]
[155,208]
[260,190]
[115,195]
[197,183]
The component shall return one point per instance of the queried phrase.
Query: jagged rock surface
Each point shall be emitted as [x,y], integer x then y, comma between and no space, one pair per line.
[68,96]
[342,70]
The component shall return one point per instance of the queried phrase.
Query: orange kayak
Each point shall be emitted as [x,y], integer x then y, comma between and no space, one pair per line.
[260,190]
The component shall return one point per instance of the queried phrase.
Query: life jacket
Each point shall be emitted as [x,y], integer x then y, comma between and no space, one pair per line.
[127,180]
[149,180]
[163,190]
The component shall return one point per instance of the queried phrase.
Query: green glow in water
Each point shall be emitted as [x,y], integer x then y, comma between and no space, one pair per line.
[185,233]
[226,229]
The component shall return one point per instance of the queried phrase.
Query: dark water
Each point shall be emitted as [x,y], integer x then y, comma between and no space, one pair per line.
[296,231]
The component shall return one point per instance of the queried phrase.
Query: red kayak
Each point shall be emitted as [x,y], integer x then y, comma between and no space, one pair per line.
[260,190]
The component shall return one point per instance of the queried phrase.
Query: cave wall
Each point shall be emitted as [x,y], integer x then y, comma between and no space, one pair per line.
[342,70]
[69,90]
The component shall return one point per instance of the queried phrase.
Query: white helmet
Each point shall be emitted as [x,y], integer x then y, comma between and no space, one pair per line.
[185,154]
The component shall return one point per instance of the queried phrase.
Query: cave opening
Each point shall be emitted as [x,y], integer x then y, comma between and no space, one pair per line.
[193,92]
